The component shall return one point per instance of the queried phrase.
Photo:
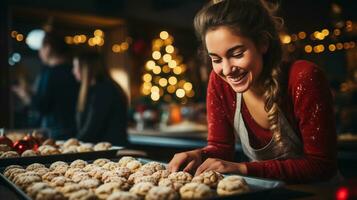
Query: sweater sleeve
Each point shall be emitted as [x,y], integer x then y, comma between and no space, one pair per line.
[313,111]
[220,140]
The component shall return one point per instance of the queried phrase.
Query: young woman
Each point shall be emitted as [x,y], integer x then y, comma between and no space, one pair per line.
[280,113]
[102,104]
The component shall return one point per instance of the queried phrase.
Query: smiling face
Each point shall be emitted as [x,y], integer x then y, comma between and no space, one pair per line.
[236,59]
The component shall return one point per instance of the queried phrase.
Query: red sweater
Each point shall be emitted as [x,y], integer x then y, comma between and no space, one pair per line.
[310,103]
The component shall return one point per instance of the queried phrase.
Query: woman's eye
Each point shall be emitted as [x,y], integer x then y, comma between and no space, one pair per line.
[215,60]
[238,55]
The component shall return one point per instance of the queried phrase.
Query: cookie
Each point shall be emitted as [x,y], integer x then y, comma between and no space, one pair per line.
[106,189]
[84,148]
[54,165]
[210,178]
[138,174]
[33,189]
[133,165]
[82,194]
[161,193]
[12,173]
[10,154]
[154,166]
[80,176]
[49,194]
[4,148]
[102,146]
[35,166]
[171,184]
[12,167]
[122,195]
[195,191]
[70,142]
[26,179]
[69,188]
[101,161]
[180,176]
[232,185]
[110,165]
[78,164]
[50,175]
[90,183]
[59,181]
[125,160]
[41,171]
[141,189]
[70,149]
[97,173]
[149,178]
[29,153]
[161,174]
[48,150]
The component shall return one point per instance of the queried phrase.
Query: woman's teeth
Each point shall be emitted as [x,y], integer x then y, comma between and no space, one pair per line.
[237,79]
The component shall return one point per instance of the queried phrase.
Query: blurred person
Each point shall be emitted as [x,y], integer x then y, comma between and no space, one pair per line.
[102,104]
[280,113]
[56,89]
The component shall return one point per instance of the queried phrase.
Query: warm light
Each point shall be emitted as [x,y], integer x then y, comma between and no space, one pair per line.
[155,96]
[163,82]
[166,69]
[19,37]
[156,55]
[156,69]
[13,34]
[177,70]
[352,45]
[155,89]
[167,58]
[83,38]
[339,46]
[286,39]
[157,44]
[325,32]
[76,39]
[337,32]
[145,91]
[187,86]
[172,80]
[308,48]
[150,65]
[190,93]
[147,77]
[164,35]
[147,86]
[172,64]
[169,49]
[98,33]
[124,46]
[332,47]
[171,89]
[342,193]
[101,42]
[116,48]
[180,93]
[302,35]
[68,40]
[169,40]
[91,42]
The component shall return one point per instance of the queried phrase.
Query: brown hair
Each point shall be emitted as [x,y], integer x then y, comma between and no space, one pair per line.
[92,68]
[253,19]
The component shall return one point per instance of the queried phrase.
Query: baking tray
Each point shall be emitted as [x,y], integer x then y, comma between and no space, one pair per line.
[68,157]
[259,187]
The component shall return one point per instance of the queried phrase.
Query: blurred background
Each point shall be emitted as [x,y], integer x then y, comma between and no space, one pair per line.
[150,49]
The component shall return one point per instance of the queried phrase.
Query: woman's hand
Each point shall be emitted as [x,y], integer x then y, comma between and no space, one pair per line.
[188,160]
[221,166]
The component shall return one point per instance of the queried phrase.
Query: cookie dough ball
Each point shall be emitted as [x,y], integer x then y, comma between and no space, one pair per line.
[101,161]
[122,195]
[84,148]
[161,174]
[154,166]
[195,191]
[171,184]
[123,183]
[125,160]
[71,142]
[181,176]
[139,174]
[41,171]
[162,193]
[106,189]
[82,194]
[90,183]
[232,185]
[78,164]
[134,165]
[10,154]
[26,179]
[141,189]
[80,176]
[50,175]
[33,189]
[48,150]
[97,173]
[110,165]
[54,165]
[12,173]
[102,146]
[59,181]
[210,178]
[29,153]
[34,166]
[49,193]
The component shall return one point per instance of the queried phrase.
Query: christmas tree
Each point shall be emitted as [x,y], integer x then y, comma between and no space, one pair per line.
[164,78]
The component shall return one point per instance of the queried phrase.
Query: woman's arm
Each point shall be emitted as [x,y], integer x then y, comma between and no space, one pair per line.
[313,111]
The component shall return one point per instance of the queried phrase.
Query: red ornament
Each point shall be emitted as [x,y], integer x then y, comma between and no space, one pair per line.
[22,145]
[5,140]
[32,141]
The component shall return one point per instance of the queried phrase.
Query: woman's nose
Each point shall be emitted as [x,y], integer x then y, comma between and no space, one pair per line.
[226,67]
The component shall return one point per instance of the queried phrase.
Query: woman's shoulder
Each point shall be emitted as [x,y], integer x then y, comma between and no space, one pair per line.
[303,71]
